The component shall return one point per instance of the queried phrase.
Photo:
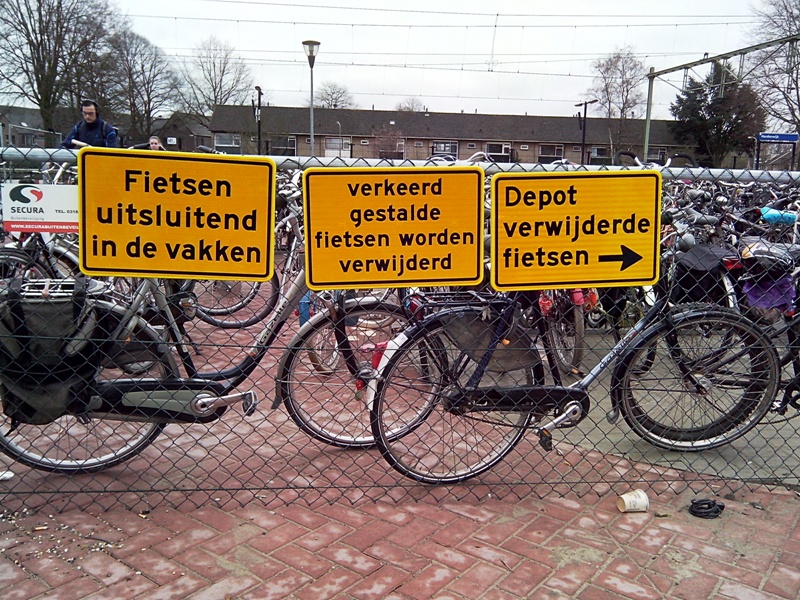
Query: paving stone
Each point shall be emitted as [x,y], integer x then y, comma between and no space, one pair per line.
[280,586]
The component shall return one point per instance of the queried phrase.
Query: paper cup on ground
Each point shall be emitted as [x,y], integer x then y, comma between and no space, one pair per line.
[635,501]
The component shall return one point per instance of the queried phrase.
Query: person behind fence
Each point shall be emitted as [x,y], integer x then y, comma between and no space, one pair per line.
[155,143]
[92,130]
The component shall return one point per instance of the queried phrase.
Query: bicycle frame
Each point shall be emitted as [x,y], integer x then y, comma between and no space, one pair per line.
[571,402]
[235,375]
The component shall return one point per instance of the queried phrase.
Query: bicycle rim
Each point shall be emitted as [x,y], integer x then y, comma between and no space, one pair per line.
[700,384]
[565,330]
[70,445]
[416,432]
[315,384]
[88,442]
[17,264]
[235,304]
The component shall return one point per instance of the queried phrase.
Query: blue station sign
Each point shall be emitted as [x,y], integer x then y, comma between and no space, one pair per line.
[786,138]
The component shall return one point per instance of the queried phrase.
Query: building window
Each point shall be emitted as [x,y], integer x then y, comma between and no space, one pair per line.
[337,144]
[418,144]
[282,145]
[523,147]
[472,146]
[440,147]
[576,148]
[228,143]
[550,152]
[600,152]
[365,142]
[498,148]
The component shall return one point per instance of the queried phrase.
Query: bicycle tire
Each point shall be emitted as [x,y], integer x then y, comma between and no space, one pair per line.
[19,264]
[417,434]
[314,382]
[235,305]
[565,331]
[714,376]
[87,443]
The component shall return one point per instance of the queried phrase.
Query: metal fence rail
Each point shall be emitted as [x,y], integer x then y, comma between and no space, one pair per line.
[261,455]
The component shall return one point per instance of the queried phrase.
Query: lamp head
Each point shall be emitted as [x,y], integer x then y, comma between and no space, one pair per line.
[311,48]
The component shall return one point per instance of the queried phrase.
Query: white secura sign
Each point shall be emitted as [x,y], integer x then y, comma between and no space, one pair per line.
[39,207]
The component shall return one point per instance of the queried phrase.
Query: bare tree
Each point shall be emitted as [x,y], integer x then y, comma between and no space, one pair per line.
[43,43]
[333,95]
[389,142]
[776,70]
[145,83]
[617,85]
[410,104]
[214,76]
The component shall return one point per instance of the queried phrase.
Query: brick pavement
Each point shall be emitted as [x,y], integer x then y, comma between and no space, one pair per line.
[550,547]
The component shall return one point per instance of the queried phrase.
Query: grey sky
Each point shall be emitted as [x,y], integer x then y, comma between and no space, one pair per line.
[505,56]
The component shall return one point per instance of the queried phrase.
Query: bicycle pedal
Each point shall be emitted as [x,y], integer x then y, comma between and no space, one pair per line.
[250,404]
[546,440]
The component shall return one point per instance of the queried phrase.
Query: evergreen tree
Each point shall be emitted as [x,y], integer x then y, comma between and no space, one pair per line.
[718,116]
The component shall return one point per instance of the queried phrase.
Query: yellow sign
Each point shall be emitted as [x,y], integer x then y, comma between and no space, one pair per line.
[570,230]
[393,227]
[170,214]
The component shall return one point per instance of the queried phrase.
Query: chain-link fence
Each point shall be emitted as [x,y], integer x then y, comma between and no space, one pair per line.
[139,392]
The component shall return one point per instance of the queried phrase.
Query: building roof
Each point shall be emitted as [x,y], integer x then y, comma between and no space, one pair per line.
[17,115]
[429,125]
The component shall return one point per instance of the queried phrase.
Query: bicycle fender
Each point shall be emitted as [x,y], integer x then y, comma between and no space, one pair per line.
[365,303]
[392,347]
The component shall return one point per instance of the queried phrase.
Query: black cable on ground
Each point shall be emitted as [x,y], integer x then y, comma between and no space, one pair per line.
[706,509]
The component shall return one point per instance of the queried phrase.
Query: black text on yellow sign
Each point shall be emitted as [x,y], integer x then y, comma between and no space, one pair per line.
[570,230]
[392,227]
[153,214]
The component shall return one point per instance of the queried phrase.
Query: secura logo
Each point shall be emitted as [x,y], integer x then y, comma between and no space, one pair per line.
[26,194]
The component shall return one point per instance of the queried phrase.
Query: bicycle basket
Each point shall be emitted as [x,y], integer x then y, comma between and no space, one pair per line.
[46,350]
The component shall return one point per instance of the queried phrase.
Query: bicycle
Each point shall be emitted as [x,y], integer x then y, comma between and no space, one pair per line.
[141,377]
[460,388]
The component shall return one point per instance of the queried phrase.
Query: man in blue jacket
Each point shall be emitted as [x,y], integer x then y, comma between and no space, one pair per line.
[92,131]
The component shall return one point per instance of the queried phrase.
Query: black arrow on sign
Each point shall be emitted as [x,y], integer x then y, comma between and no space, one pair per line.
[627,258]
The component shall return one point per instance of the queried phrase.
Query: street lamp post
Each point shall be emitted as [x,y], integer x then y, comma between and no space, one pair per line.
[258,117]
[582,123]
[341,143]
[311,48]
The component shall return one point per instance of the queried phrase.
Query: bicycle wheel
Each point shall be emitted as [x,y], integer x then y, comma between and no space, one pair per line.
[87,442]
[314,382]
[711,377]
[565,331]
[18,264]
[420,423]
[235,304]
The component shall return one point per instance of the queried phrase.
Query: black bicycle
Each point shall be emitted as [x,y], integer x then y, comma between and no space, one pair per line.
[459,389]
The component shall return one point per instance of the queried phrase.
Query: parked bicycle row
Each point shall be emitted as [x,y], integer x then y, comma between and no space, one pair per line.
[445,382]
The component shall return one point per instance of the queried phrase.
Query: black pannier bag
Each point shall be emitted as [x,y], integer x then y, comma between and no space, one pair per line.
[698,275]
[47,355]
